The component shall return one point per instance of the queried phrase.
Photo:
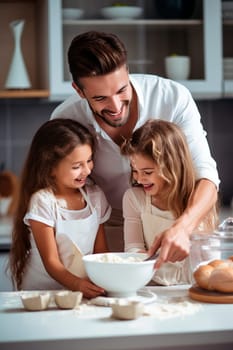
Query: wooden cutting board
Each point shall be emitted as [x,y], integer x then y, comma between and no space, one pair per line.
[200,294]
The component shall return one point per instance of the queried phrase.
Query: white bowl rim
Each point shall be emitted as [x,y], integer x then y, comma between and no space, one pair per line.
[91,258]
[35,294]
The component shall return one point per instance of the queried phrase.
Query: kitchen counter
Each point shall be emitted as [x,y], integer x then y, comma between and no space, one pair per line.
[202,325]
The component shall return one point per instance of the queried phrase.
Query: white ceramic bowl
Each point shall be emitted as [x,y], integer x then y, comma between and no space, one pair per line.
[72,13]
[121,12]
[120,278]
[68,299]
[35,301]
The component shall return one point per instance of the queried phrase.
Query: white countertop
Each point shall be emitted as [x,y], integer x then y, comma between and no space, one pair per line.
[92,327]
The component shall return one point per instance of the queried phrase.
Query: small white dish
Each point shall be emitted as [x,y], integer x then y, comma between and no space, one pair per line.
[121,12]
[68,299]
[72,13]
[127,310]
[35,301]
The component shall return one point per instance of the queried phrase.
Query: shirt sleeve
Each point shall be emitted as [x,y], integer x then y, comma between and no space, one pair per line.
[188,118]
[41,208]
[133,230]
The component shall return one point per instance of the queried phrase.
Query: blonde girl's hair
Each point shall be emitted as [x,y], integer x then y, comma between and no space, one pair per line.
[53,141]
[165,143]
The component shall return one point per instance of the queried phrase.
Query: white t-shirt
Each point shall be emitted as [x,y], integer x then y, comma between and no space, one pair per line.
[158,98]
[45,207]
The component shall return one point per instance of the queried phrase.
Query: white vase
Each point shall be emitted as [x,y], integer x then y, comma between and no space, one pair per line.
[17,76]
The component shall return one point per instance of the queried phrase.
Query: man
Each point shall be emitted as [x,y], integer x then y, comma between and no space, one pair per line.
[112,103]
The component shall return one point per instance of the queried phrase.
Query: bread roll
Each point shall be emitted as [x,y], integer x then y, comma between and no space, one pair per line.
[221,280]
[217,263]
[202,274]
[216,275]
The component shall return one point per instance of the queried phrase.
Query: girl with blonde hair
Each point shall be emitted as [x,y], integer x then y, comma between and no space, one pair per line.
[163,182]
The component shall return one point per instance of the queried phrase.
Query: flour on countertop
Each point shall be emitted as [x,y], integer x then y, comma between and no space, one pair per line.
[176,307]
[160,310]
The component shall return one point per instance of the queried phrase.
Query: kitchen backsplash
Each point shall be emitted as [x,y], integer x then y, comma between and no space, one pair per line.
[20,118]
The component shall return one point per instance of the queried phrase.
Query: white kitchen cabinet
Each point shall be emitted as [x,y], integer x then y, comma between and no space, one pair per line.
[148,40]
[228,53]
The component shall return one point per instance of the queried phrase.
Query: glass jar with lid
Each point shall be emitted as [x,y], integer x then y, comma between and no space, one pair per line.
[206,247]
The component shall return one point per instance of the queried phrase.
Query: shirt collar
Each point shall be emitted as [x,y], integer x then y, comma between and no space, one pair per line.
[136,85]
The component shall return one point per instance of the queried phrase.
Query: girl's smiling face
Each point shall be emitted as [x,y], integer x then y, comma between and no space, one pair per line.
[146,173]
[73,170]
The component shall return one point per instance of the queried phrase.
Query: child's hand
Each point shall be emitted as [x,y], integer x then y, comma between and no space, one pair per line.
[88,289]
[173,244]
